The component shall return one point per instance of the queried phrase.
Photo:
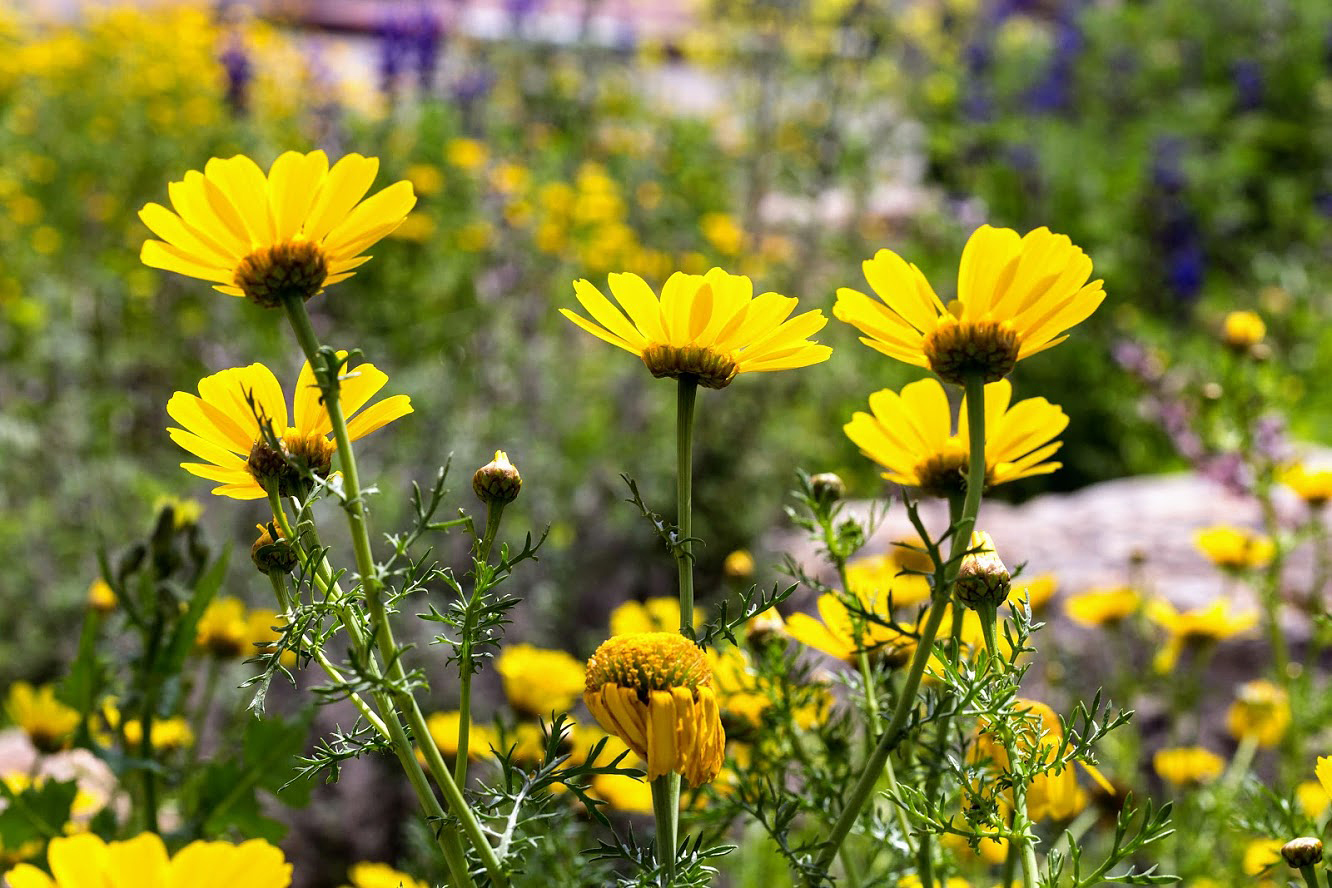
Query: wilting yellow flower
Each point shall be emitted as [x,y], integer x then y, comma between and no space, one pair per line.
[220,427]
[911,436]
[443,728]
[1215,623]
[654,691]
[1259,854]
[270,238]
[710,327]
[1243,329]
[1054,795]
[1187,765]
[224,628]
[1016,295]
[1262,711]
[101,598]
[660,614]
[1314,487]
[842,634]
[538,681]
[47,722]
[380,875]
[1234,548]
[84,860]
[1103,606]
[623,793]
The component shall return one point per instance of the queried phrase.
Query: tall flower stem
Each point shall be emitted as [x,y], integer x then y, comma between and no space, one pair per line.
[666,812]
[398,697]
[494,512]
[943,595]
[684,498]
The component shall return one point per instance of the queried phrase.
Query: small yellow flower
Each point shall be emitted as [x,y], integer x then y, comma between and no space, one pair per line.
[224,628]
[1016,296]
[84,860]
[1215,623]
[219,426]
[1262,711]
[721,231]
[538,681]
[842,634]
[1103,606]
[1233,548]
[85,804]
[270,238]
[660,614]
[1242,330]
[654,691]
[737,684]
[466,154]
[627,794]
[426,178]
[1260,854]
[100,596]
[1312,799]
[168,734]
[1323,771]
[874,577]
[911,880]
[709,327]
[738,565]
[1314,487]
[911,436]
[1187,765]
[444,732]
[380,875]
[263,632]
[47,722]
[184,512]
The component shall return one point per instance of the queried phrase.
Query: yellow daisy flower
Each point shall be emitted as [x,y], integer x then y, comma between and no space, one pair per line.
[444,731]
[841,634]
[654,691]
[1187,765]
[911,436]
[271,238]
[221,428]
[1243,329]
[224,628]
[538,681]
[1262,711]
[1103,606]
[1312,486]
[380,875]
[1260,855]
[1016,296]
[739,694]
[1234,548]
[101,598]
[47,722]
[710,327]
[1215,623]
[84,860]
[872,577]
[659,614]
[1312,799]
[626,794]
[1323,771]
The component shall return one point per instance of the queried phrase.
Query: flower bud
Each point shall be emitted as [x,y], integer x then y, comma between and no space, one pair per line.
[827,487]
[1302,852]
[100,596]
[982,579]
[497,482]
[271,552]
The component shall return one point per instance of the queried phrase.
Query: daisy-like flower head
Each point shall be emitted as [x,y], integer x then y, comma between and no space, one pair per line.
[537,680]
[1195,627]
[1261,711]
[444,732]
[101,597]
[710,327]
[47,722]
[911,436]
[1314,486]
[221,427]
[654,691]
[1103,606]
[658,614]
[1187,765]
[283,236]
[84,860]
[1016,296]
[380,875]
[1242,330]
[224,628]
[1234,548]
[843,633]
[1260,855]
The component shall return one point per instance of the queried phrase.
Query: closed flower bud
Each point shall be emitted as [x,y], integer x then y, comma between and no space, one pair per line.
[1302,852]
[271,552]
[982,579]
[497,482]
[827,487]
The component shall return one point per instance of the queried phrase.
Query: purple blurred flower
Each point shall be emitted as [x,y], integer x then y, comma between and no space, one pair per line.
[1228,470]
[1247,76]
[239,70]
[1269,439]
[1054,91]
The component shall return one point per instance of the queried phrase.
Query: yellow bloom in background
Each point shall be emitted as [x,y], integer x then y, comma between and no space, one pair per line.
[1103,606]
[101,598]
[47,722]
[1314,487]
[466,154]
[1261,711]
[911,880]
[85,861]
[723,233]
[526,742]
[911,435]
[1187,765]
[877,577]
[443,728]
[169,734]
[85,804]
[270,238]
[626,794]
[380,875]
[660,614]
[739,565]
[538,681]
[219,426]
[1214,623]
[263,631]
[1016,296]
[1243,329]
[224,628]
[184,512]
[1323,771]
[1037,592]
[1312,799]
[1260,854]
[426,178]
[654,691]
[841,634]
[1234,548]
[738,692]
[710,327]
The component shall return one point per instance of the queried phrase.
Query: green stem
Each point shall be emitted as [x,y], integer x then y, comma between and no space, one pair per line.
[494,512]
[666,812]
[687,392]
[1310,875]
[397,697]
[860,793]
